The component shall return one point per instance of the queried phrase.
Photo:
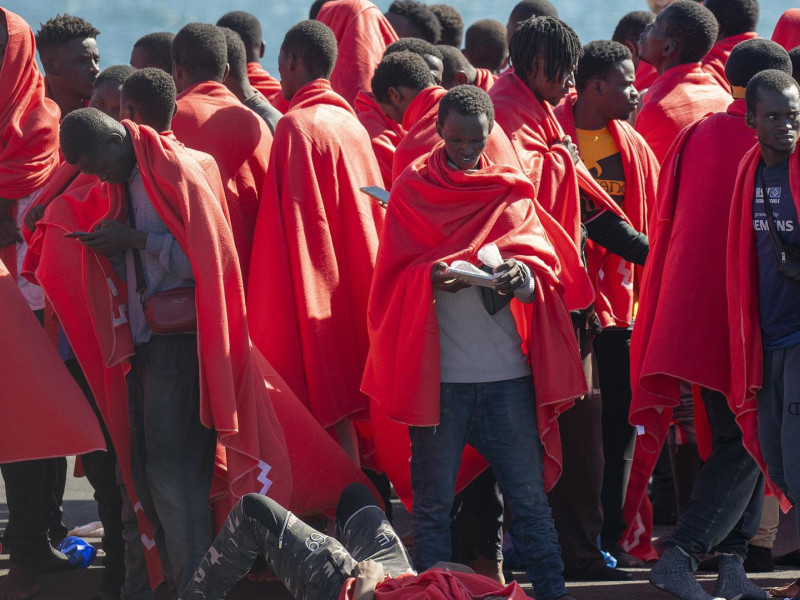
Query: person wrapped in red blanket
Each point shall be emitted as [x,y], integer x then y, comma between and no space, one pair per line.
[680,336]
[674,44]
[762,293]
[318,234]
[362,35]
[545,53]
[211,119]
[249,29]
[187,389]
[429,330]
[623,164]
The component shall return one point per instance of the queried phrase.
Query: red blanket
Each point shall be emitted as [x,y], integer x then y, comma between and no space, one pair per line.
[438,584]
[680,332]
[362,34]
[616,280]
[28,123]
[419,121]
[485,79]
[267,85]
[646,74]
[534,130]
[384,133]
[45,413]
[742,286]
[787,30]
[317,237]
[680,96]
[211,119]
[714,61]
[438,213]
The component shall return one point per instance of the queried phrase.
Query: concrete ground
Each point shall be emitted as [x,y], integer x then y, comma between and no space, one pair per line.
[80,508]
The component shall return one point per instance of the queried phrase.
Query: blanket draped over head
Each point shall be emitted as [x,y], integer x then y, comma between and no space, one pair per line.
[28,123]
[362,35]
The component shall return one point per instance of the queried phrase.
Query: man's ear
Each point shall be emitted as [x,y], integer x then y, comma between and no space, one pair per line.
[114,138]
[672,47]
[750,120]
[261,49]
[460,77]
[174,109]
[227,72]
[395,97]
[439,129]
[598,87]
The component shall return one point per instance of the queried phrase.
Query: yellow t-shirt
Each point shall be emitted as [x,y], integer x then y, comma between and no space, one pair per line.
[601,156]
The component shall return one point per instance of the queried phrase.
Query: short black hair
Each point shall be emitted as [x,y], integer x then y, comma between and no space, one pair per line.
[158,46]
[313,12]
[632,25]
[313,43]
[116,74]
[694,26]
[201,49]
[61,30]
[245,24]
[769,80]
[547,38]
[153,93]
[415,45]
[84,132]
[734,16]
[420,16]
[486,41]
[753,56]
[237,54]
[466,100]
[598,59]
[453,60]
[794,55]
[528,9]
[451,22]
[400,69]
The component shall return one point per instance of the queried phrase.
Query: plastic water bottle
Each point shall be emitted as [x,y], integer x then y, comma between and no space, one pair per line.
[81,554]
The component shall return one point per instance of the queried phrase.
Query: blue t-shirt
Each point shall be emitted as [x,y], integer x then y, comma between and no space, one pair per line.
[779,298]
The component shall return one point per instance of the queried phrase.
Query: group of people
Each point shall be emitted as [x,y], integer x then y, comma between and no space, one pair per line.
[207,297]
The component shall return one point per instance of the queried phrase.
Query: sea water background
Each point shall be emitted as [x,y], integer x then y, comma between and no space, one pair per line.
[122,23]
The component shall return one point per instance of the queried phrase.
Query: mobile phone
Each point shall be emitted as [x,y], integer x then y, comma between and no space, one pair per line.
[380,194]
[75,234]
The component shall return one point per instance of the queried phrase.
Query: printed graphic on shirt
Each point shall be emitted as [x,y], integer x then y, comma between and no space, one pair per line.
[783,222]
[601,156]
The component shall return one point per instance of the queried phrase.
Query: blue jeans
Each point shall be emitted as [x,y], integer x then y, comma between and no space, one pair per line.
[779,420]
[725,509]
[499,420]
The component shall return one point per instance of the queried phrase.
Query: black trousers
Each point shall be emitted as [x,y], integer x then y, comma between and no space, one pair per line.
[612,352]
[575,499]
[34,494]
[101,471]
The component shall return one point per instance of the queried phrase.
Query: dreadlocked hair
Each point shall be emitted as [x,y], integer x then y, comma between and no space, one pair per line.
[548,39]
